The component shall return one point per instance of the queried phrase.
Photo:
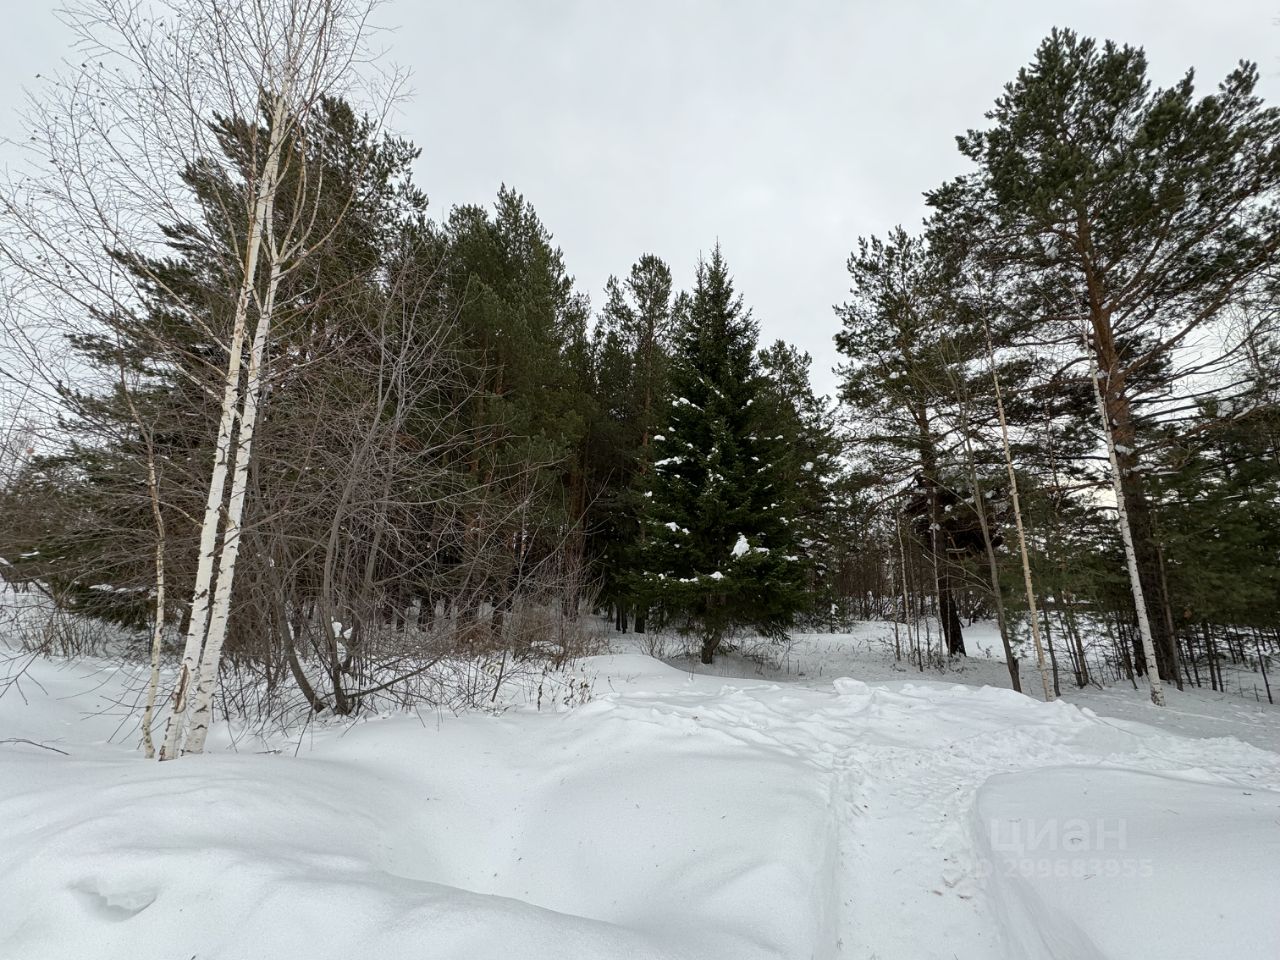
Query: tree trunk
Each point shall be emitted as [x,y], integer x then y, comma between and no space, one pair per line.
[198,623]
[1147,555]
[952,630]
[157,630]
[210,659]
[709,647]
[1017,517]
[1126,535]
[997,595]
[1053,658]
[906,593]
[1073,633]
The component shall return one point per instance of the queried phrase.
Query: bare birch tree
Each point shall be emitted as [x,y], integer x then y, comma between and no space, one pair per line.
[112,141]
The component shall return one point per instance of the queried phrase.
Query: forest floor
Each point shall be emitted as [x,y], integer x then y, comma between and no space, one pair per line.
[828,805]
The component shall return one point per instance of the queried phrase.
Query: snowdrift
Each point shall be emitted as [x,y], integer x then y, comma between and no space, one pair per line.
[673,816]
[1106,864]
[573,834]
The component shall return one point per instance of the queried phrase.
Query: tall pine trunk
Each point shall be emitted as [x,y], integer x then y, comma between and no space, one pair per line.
[1117,412]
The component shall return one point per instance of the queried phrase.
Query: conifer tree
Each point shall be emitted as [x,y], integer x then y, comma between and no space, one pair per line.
[1128,219]
[631,348]
[722,552]
[810,467]
[524,326]
[902,339]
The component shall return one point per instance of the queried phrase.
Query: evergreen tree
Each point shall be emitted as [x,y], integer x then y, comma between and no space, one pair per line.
[1129,218]
[1217,504]
[723,549]
[525,329]
[903,341]
[809,469]
[631,348]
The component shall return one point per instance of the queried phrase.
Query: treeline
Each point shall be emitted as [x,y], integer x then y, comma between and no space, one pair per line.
[1088,319]
[427,441]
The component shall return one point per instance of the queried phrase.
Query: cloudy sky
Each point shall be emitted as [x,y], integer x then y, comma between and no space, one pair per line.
[784,129]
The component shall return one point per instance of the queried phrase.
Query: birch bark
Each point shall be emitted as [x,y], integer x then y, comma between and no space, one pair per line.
[202,595]
[1032,610]
[211,657]
[1131,557]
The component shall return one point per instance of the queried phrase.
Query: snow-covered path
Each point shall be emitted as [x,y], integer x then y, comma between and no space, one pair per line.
[905,765]
[673,816]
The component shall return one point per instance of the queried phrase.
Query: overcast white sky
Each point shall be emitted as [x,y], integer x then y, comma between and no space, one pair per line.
[785,129]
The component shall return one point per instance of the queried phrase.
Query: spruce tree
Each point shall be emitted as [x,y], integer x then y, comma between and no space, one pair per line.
[809,468]
[722,551]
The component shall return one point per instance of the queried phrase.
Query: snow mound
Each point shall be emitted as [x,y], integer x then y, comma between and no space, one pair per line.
[1089,862]
[674,815]
[618,830]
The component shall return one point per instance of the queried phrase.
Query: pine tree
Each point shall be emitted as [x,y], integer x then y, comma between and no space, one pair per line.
[631,348]
[722,552]
[525,329]
[1127,219]
[902,340]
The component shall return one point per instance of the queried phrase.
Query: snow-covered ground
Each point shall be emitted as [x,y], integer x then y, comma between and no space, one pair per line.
[835,807]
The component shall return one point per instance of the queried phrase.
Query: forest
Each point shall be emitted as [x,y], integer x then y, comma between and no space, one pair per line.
[481,612]
[315,437]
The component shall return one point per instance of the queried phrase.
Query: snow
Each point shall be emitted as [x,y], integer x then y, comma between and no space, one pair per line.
[595,830]
[833,806]
[1078,853]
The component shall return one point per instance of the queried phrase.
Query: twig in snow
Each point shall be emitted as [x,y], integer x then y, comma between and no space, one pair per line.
[42,746]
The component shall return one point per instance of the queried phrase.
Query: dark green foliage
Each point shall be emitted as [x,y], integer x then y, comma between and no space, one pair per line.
[809,472]
[1218,515]
[722,550]
[631,353]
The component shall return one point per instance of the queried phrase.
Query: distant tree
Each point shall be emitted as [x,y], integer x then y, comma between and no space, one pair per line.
[631,352]
[902,338]
[525,329]
[810,466]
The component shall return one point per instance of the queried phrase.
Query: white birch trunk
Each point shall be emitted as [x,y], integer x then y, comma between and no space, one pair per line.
[208,536]
[197,629]
[207,682]
[1032,612]
[1131,556]
[157,631]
